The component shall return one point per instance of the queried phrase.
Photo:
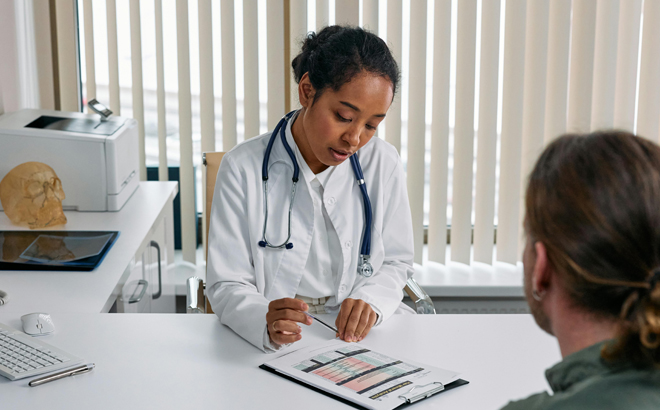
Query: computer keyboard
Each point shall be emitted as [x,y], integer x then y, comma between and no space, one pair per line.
[25,356]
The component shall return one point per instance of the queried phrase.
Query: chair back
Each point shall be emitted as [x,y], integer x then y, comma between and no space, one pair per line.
[211,161]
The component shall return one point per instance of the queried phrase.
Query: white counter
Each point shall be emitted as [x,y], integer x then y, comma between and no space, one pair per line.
[153,361]
[95,291]
[500,280]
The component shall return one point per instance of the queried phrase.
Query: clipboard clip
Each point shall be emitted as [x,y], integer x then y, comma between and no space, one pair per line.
[422,394]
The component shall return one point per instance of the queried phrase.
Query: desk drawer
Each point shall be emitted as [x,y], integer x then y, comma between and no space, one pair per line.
[136,295]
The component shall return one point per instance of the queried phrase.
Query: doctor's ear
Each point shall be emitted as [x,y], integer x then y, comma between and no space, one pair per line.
[306,91]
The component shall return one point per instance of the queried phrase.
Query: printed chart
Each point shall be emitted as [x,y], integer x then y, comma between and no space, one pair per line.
[361,370]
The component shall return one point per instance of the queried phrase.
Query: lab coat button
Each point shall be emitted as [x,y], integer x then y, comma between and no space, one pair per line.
[342,288]
[349,244]
[331,200]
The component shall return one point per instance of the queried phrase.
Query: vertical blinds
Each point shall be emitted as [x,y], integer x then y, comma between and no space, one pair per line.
[525,72]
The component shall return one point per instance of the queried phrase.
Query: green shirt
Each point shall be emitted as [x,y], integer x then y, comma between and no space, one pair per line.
[583,380]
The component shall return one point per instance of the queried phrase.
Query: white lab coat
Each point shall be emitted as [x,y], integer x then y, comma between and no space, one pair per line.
[242,277]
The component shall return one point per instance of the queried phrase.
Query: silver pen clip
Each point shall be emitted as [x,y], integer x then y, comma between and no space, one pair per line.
[422,394]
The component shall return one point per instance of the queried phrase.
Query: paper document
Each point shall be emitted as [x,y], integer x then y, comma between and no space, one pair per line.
[358,374]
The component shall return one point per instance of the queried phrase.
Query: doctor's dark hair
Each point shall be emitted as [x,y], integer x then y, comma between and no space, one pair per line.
[594,202]
[335,55]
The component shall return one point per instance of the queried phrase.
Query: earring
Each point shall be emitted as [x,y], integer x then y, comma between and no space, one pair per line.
[537,296]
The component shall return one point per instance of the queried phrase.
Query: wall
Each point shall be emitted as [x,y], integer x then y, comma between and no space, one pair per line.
[9,92]
[26,75]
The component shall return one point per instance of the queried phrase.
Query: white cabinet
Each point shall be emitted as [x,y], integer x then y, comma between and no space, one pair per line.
[143,289]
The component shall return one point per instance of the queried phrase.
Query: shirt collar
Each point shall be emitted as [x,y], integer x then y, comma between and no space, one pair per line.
[579,366]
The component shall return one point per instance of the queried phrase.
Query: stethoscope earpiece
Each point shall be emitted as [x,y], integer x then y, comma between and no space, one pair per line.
[289,245]
[262,244]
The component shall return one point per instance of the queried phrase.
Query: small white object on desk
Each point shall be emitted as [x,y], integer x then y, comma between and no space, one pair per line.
[37,324]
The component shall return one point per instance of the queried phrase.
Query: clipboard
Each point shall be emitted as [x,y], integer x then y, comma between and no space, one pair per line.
[412,396]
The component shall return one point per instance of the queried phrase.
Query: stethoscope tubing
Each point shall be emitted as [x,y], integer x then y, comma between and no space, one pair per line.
[365,248]
[281,129]
[265,241]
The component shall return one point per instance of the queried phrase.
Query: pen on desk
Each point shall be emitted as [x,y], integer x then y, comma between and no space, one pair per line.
[62,374]
[322,322]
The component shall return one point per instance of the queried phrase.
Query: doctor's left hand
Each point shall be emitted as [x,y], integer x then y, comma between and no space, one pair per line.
[355,320]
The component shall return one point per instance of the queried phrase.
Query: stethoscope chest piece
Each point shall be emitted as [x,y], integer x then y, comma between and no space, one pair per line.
[364,266]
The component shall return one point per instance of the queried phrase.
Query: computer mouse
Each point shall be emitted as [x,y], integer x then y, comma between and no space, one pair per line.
[37,324]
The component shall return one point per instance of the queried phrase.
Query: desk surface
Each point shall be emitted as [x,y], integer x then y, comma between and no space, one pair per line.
[192,361]
[95,291]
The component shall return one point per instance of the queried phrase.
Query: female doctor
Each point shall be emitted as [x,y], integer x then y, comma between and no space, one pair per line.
[288,221]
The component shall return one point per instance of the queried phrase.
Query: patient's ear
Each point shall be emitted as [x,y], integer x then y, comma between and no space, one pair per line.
[542,275]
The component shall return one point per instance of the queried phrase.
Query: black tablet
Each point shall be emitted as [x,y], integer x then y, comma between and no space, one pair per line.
[54,250]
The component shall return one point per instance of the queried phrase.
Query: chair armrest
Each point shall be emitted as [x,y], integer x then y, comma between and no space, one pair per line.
[423,303]
[195,299]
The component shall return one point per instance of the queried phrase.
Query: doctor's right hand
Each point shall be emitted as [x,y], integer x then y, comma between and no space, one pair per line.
[282,317]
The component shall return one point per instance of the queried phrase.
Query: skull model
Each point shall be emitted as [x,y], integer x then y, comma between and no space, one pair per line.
[32,193]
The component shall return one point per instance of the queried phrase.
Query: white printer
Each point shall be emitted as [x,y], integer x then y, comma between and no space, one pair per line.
[97,161]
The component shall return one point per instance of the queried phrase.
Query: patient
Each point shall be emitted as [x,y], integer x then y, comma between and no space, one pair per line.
[592,270]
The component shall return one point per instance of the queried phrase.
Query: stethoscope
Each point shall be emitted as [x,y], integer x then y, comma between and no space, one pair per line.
[364,266]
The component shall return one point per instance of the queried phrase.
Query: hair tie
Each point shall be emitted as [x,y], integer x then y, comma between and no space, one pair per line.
[654,279]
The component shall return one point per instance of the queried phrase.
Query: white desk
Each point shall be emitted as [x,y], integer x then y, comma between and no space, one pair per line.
[95,291]
[192,361]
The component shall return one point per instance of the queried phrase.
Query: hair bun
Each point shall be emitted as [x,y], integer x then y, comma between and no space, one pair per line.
[332,56]
[310,43]
[654,279]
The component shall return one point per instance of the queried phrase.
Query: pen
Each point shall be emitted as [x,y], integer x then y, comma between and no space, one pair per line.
[322,322]
[64,373]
